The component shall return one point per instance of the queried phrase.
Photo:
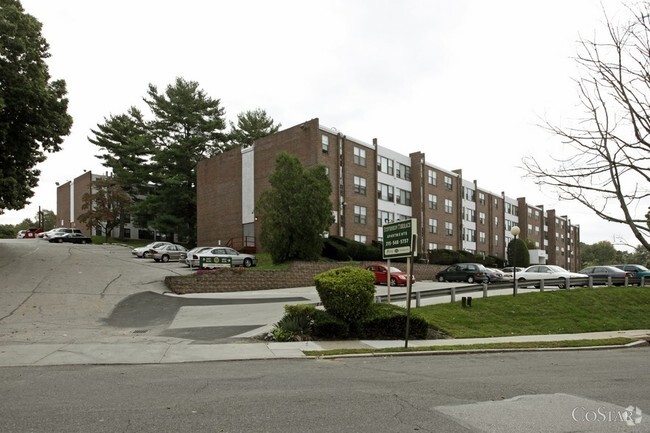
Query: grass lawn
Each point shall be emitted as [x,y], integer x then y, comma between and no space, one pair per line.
[557,312]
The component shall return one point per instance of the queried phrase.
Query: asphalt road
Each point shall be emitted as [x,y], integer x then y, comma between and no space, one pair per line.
[542,392]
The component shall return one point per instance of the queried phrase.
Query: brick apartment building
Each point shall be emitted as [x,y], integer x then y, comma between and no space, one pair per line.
[372,185]
[68,208]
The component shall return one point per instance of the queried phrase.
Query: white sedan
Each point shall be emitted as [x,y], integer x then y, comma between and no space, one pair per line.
[547,272]
[143,252]
[237,258]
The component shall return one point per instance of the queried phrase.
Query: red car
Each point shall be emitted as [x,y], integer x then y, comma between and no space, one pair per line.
[397,277]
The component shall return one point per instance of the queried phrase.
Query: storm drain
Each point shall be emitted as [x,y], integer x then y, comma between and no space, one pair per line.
[140,331]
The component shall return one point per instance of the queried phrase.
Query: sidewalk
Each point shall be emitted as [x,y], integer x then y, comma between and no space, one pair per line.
[39,354]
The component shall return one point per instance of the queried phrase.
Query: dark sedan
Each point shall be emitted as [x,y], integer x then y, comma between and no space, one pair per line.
[601,274]
[75,238]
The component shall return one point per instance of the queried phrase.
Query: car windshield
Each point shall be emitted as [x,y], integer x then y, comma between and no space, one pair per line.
[394,270]
[557,269]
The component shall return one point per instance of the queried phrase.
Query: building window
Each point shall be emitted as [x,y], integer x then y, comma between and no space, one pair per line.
[360,238]
[481,217]
[496,203]
[470,214]
[384,217]
[468,193]
[481,237]
[403,197]
[360,214]
[360,185]
[481,198]
[432,177]
[127,233]
[360,156]
[496,240]
[433,225]
[385,165]
[433,201]
[403,171]
[386,192]
[432,246]
[448,184]
[325,143]
[496,221]
[449,206]
[470,235]
[449,229]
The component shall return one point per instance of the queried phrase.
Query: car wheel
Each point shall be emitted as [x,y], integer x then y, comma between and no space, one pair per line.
[144,255]
[248,263]
[60,241]
[83,242]
[470,279]
[164,258]
[393,281]
[441,279]
[561,286]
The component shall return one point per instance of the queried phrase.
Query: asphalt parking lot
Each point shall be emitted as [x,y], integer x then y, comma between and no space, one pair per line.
[65,293]
[62,293]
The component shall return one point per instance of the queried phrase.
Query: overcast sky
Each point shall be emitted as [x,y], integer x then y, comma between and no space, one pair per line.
[465,81]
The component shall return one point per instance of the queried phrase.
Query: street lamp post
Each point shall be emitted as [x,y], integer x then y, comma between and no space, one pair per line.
[515,232]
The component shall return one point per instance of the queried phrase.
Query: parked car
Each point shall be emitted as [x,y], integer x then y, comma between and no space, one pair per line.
[547,272]
[238,259]
[191,258]
[495,275]
[21,234]
[469,272]
[56,235]
[166,253]
[397,276]
[143,252]
[638,270]
[601,274]
[75,238]
[508,273]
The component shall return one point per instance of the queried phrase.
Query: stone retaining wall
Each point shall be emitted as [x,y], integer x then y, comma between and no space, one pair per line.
[299,274]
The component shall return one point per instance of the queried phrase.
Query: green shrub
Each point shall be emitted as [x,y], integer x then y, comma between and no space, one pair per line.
[386,321]
[327,326]
[343,249]
[347,293]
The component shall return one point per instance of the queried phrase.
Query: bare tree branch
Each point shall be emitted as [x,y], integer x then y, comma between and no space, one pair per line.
[608,169]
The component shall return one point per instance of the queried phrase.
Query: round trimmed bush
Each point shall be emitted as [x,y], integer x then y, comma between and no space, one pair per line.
[347,292]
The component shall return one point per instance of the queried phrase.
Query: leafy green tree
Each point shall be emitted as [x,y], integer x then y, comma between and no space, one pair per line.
[296,211]
[187,127]
[8,231]
[105,206]
[600,253]
[128,148]
[251,125]
[33,109]
[48,219]
[518,254]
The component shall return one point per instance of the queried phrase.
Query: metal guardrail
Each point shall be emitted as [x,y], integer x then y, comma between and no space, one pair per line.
[484,288]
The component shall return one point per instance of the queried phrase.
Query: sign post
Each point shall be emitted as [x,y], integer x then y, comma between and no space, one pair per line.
[400,240]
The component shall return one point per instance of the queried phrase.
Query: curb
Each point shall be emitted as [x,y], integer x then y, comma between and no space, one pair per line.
[634,344]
